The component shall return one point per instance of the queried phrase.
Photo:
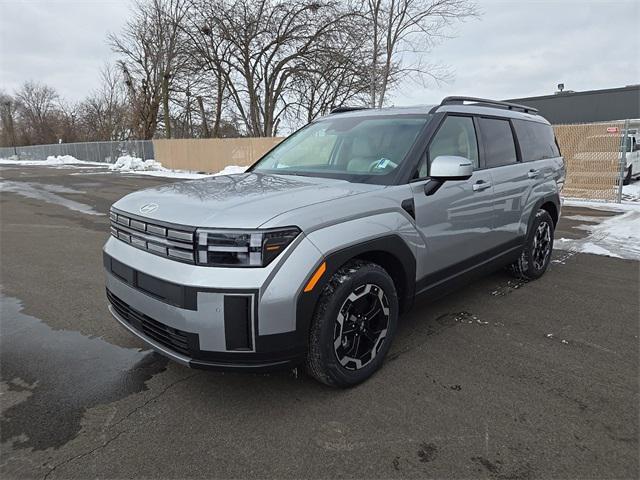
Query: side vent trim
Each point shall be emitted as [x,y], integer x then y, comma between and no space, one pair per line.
[237,322]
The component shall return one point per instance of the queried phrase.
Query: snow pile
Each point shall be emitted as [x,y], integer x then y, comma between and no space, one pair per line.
[62,160]
[128,163]
[135,165]
[124,164]
[631,192]
[231,170]
[50,161]
[615,237]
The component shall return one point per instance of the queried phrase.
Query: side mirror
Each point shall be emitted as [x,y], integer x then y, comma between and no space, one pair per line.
[450,167]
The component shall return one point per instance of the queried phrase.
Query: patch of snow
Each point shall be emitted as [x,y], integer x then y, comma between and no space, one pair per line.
[631,192]
[617,236]
[582,218]
[231,170]
[611,207]
[50,161]
[128,163]
[590,247]
[154,168]
[125,164]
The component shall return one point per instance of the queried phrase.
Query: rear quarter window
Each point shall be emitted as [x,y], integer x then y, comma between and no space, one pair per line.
[537,140]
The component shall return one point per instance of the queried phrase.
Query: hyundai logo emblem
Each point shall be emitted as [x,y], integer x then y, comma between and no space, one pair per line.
[148,208]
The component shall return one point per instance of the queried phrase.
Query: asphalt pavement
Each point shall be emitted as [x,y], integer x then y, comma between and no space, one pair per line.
[501,379]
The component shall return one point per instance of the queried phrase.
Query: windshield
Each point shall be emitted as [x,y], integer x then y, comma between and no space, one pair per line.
[358,149]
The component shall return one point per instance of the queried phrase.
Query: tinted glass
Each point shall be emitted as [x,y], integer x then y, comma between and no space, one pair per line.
[536,140]
[355,148]
[456,136]
[497,139]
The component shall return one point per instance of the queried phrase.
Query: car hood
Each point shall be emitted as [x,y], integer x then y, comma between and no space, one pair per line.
[235,201]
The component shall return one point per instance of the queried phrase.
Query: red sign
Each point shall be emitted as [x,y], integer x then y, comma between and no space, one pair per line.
[612,129]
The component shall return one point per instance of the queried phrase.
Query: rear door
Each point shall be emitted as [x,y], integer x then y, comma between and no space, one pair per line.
[511,182]
[541,160]
[456,221]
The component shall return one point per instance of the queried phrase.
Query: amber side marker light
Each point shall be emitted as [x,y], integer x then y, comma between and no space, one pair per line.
[316,276]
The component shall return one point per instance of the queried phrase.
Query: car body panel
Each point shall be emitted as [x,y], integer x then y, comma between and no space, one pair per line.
[455,223]
[235,201]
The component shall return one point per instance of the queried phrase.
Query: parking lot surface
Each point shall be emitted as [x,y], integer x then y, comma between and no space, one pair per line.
[501,379]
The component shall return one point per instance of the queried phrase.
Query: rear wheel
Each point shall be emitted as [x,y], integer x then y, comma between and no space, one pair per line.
[353,325]
[536,254]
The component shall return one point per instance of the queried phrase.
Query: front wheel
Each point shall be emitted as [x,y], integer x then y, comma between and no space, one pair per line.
[536,253]
[353,325]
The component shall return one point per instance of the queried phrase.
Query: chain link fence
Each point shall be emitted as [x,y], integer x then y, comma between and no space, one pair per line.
[107,152]
[594,155]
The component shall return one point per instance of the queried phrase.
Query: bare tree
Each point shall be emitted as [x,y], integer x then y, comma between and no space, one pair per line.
[68,121]
[210,57]
[401,33]
[38,110]
[202,68]
[104,114]
[267,44]
[336,76]
[151,50]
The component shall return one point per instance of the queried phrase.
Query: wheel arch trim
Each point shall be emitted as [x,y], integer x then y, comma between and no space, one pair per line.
[553,199]
[390,247]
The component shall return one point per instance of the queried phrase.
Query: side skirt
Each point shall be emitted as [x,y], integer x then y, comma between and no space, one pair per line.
[445,281]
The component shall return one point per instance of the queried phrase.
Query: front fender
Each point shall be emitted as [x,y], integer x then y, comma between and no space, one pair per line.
[391,234]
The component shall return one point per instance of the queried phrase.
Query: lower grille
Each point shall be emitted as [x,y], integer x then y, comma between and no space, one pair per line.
[179,341]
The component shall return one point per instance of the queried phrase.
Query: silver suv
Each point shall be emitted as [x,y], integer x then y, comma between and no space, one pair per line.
[310,256]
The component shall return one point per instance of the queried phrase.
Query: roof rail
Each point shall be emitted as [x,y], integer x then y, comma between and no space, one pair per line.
[347,109]
[486,102]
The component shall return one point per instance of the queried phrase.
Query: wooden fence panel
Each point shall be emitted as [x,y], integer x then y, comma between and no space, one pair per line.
[211,154]
[591,152]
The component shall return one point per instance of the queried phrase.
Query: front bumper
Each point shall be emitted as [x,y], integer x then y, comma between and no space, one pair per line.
[273,361]
[215,318]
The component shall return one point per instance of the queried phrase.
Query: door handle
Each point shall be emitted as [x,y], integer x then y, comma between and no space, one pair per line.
[533,173]
[481,185]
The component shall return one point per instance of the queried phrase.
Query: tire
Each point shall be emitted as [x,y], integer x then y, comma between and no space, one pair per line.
[537,250]
[358,308]
[627,178]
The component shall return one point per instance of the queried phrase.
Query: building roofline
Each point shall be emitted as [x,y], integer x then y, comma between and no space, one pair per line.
[576,94]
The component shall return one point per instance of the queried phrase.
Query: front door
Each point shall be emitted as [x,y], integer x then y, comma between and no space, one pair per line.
[456,221]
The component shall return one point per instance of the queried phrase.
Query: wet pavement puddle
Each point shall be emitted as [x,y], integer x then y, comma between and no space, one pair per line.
[59,374]
[49,194]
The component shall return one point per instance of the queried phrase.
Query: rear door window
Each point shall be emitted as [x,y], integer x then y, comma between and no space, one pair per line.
[536,140]
[497,139]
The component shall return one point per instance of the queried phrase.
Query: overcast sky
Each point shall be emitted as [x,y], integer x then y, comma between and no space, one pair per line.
[516,49]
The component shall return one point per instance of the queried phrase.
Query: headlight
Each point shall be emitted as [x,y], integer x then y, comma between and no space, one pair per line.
[242,248]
